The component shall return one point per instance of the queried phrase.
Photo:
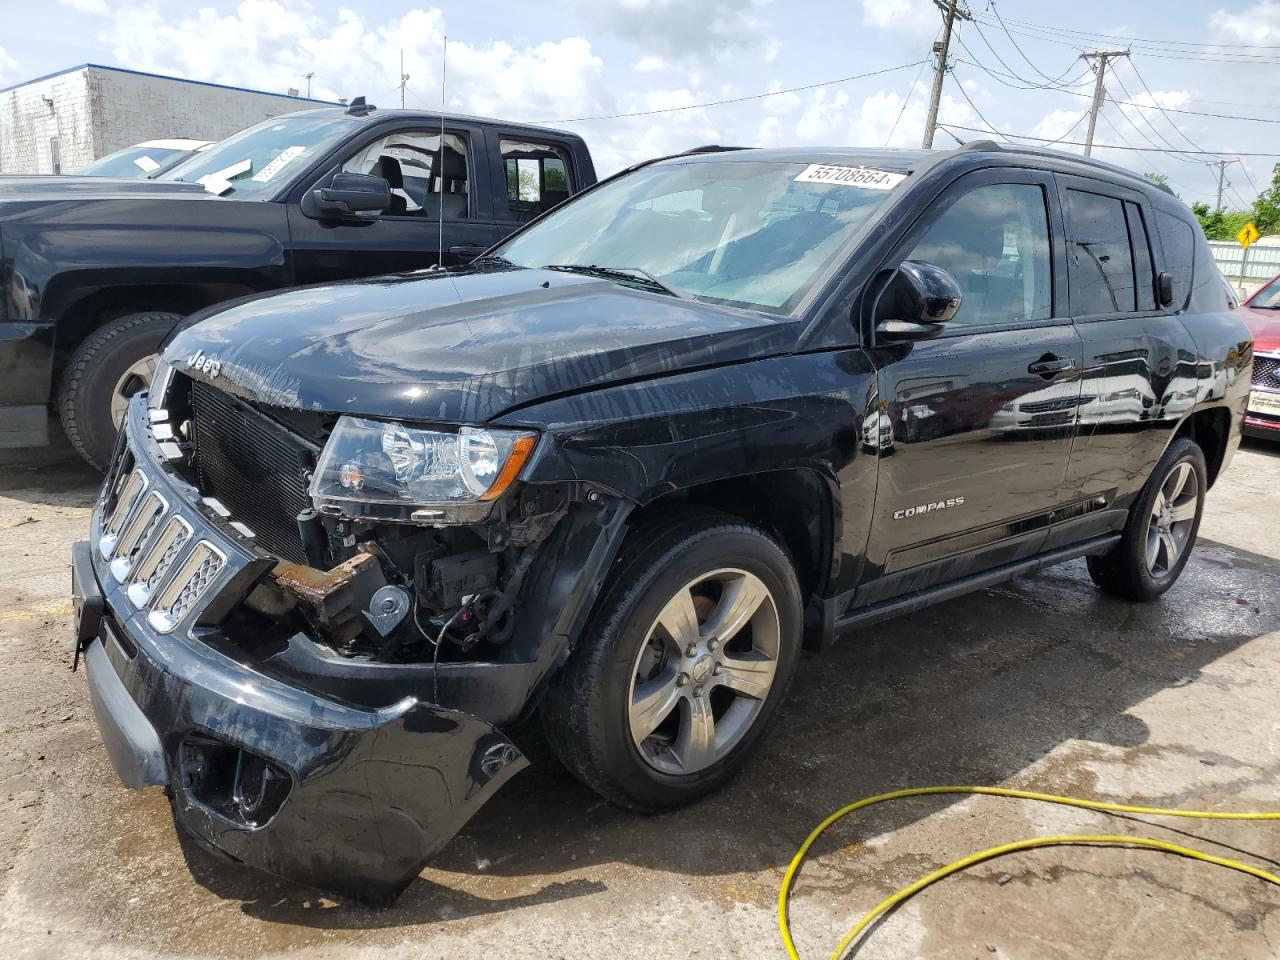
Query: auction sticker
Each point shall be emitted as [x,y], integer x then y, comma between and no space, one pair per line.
[283,158]
[865,177]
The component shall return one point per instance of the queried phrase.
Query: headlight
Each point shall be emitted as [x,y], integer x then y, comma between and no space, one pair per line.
[384,468]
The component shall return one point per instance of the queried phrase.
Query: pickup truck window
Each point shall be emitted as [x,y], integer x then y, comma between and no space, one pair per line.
[995,241]
[256,160]
[410,161]
[1143,273]
[537,177]
[1102,281]
[751,233]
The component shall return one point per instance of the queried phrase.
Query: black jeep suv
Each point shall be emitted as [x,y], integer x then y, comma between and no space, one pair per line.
[95,271]
[620,469]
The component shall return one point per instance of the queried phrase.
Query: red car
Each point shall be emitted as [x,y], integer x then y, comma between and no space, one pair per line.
[1262,314]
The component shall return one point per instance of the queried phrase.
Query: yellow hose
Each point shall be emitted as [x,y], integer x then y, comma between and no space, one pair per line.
[888,903]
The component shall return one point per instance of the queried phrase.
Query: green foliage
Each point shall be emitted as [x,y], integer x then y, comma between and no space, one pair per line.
[1221,224]
[1156,177]
[1266,209]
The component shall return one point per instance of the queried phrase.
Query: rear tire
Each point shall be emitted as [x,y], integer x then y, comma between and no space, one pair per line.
[111,364]
[1161,529]
[652,716]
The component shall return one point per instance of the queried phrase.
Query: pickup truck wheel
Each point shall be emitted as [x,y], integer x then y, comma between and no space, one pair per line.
[685,660]
[1161,529]
[110,365]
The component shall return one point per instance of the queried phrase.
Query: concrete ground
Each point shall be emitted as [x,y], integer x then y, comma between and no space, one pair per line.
[1042,684]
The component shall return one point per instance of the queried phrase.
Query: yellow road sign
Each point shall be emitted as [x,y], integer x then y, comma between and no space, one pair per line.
[1247,235]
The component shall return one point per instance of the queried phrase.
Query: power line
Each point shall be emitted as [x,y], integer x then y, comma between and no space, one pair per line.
[1106,146]
[1071,129]
[1112,36]
[1154,100]
[1030,62]
[1147,120]
[754,96]
[911,92]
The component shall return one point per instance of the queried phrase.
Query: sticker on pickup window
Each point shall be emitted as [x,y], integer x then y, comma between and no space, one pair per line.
[864,177]
[283,158]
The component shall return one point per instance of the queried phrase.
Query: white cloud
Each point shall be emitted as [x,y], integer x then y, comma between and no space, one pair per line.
[681,29]
[1257,24]
[96,7]
[650,64]
[905,15]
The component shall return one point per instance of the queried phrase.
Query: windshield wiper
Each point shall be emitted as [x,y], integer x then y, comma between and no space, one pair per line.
[630,274]
[494,258]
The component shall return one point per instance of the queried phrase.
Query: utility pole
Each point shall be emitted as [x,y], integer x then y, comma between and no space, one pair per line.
[951,11]
[404,78]
[1222,175]
[1101,56]
[307,77]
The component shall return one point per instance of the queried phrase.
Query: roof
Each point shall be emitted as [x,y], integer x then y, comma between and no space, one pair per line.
[908,161]
[161,76]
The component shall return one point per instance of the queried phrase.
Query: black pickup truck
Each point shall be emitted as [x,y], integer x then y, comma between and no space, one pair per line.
[94,272]
[619,469]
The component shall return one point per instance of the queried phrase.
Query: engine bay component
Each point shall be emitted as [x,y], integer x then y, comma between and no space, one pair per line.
[388,607]
[447,581]
[334,599]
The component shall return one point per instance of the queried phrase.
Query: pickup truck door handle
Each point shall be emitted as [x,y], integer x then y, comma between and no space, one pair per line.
[468,249]
[1050,366]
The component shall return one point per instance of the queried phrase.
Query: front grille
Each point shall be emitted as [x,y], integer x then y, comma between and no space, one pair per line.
[141,530]
[256,467]
[1266,372]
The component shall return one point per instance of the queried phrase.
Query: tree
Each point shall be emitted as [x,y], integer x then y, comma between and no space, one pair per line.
[1220,224]
[1266,209]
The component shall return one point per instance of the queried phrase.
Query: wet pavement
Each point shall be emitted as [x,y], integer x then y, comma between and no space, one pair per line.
[1041,684]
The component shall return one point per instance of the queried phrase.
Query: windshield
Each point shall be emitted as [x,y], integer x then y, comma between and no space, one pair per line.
[1268,298]
[132,162]
[753,233]
[253,161]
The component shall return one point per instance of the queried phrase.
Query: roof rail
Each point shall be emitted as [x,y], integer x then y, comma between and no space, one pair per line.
[710,148]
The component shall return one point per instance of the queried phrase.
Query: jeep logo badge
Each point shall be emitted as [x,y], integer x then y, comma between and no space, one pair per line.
[210,366]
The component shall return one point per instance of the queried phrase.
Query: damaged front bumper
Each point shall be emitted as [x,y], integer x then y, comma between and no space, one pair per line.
[346,798]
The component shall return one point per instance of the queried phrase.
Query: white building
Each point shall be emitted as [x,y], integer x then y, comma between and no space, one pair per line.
[60,122]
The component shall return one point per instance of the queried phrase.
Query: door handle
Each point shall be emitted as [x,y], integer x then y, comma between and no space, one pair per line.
[1051,366]
[468,249]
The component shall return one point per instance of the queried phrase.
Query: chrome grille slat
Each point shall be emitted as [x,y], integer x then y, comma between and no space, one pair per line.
[137,533]
[195,574]
[129,498]
[158,560]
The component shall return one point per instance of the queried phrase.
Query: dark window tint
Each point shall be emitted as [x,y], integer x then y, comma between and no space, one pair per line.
[1102,277]
[995,241]
[537,177]
[1179,243]
[1144,277]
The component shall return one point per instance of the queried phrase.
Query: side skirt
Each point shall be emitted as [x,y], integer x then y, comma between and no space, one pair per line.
[978,581]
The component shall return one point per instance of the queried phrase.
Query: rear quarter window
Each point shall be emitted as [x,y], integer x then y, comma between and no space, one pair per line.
[1178,239]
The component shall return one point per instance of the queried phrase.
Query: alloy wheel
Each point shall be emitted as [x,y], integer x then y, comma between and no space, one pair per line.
[1173,514]
[137,377]
[704,671]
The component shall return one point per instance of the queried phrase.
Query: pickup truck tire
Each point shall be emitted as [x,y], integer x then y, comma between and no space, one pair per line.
[686,658]
[107,361]
[1161,529]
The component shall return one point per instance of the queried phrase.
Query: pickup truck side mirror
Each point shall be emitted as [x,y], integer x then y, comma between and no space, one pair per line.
[917,302]
[350,193]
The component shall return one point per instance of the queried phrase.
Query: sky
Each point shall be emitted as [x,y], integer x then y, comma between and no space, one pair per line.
[560,62]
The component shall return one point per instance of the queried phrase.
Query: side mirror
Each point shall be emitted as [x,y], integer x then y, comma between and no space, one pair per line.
[917,302]
[1164,288]
[350,193]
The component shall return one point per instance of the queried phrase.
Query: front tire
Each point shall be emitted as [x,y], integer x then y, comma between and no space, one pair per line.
[1161,529]
[111,364]
[684,662]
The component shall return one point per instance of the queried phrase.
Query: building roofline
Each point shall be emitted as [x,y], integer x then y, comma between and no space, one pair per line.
[161,76]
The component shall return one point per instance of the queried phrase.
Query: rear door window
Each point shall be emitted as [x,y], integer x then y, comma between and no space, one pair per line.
[1101,258]
[538,177]
[1143,272]
[427,177]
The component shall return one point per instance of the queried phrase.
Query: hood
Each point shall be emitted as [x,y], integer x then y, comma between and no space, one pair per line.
[461,347]
[91,188]
[1265,327]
